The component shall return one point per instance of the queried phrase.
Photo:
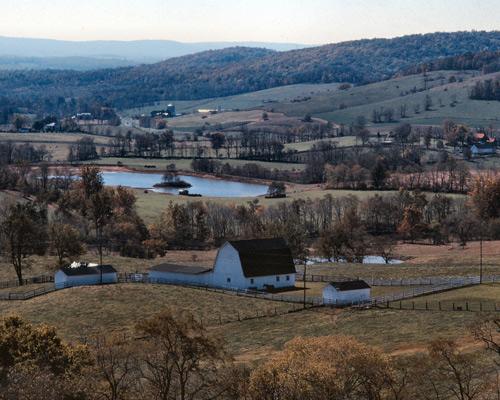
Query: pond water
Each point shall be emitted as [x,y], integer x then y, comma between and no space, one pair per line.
[366,260]
[203,186]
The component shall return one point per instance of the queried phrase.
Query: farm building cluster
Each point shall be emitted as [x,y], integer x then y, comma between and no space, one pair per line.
[254,265]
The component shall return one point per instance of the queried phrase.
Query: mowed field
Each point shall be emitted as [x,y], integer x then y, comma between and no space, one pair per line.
[78,313]
[185,164]
[449,101]
[243,101]
[57,144]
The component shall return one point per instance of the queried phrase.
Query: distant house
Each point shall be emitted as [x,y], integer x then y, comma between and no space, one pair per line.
[348,292]
[241,265]
[82,274]
[482,145]
[50,127]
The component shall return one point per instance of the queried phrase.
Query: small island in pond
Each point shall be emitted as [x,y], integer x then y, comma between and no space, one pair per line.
[171,180]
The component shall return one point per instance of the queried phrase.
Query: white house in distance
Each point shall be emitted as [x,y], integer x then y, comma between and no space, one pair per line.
[82,274]
[347,292]
[242,264]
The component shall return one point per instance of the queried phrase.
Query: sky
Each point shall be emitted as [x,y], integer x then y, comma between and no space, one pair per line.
[293,21]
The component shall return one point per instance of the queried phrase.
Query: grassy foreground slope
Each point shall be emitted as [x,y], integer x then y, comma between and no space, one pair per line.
[81,312]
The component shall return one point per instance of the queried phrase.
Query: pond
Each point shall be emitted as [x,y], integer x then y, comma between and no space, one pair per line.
[204,186]
[366,260]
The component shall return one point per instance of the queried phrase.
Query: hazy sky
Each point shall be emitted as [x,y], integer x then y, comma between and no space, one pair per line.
[299,21]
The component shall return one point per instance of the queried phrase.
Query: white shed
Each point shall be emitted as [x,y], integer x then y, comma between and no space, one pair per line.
[81,274]
[240,265]
[348,292]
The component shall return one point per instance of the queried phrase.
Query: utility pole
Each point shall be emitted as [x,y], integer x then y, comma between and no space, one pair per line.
[481,258]
[304,281]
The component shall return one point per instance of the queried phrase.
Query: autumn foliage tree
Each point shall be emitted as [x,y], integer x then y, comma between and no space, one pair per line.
[180,359]
[23,234]
[330,367]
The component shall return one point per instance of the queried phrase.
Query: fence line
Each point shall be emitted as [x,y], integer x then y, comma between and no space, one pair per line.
[424,281]
[394,301]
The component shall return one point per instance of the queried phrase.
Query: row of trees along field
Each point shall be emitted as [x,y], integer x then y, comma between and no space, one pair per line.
[85,213]
[417,159]
[173,356]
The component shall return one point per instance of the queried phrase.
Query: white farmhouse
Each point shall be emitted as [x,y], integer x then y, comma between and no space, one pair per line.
[239,265]
[81,274]
[348,292]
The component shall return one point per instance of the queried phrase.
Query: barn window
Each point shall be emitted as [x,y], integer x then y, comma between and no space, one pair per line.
[251,281]
[277,279]
[228,280]
[288,277]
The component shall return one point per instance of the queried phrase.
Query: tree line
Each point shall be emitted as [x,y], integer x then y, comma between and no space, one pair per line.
[87,215]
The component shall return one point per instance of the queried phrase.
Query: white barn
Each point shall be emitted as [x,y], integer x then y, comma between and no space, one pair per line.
[239,265]
[348,292]
[81,274]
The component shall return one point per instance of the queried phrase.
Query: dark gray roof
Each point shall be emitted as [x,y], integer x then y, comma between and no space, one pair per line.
[85,270]
[350,285]
[263,257]
[181,269]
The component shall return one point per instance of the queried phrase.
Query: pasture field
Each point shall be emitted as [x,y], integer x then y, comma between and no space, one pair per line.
[396,332]
[450,100]
[464,298]
[184,164]
[242,101]
[78,313]
[57,144]
[117,308]
[150,204]
[422,261]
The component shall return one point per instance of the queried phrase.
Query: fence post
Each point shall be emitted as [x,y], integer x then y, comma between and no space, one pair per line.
[467,306]
[426,305]
[480,306]
[453,306]
[439,304]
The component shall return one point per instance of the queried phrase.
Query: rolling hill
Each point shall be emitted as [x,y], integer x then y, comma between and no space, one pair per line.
[239,70]
[448,90]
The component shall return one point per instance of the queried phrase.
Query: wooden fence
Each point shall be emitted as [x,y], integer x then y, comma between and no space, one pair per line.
[424,281]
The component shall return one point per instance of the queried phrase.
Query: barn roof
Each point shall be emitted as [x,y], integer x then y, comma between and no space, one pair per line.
[83,269]
[181,269]
[264,257]
[350,285]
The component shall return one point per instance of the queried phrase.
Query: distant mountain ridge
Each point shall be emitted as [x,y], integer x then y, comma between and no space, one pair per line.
[133,52]
[237,70]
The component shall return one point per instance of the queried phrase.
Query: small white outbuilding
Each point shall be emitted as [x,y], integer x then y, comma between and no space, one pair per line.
[348,292]
[82,274]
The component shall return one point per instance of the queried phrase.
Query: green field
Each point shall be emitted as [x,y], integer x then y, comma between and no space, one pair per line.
[244,101]
[344,106]
[185,164]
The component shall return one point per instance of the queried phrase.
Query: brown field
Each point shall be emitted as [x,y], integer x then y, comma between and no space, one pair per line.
[57,144]
[484,297]
[81,312]
[423,261]
[84,311]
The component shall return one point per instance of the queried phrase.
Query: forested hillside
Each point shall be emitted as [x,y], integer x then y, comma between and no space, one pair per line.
[237,70]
